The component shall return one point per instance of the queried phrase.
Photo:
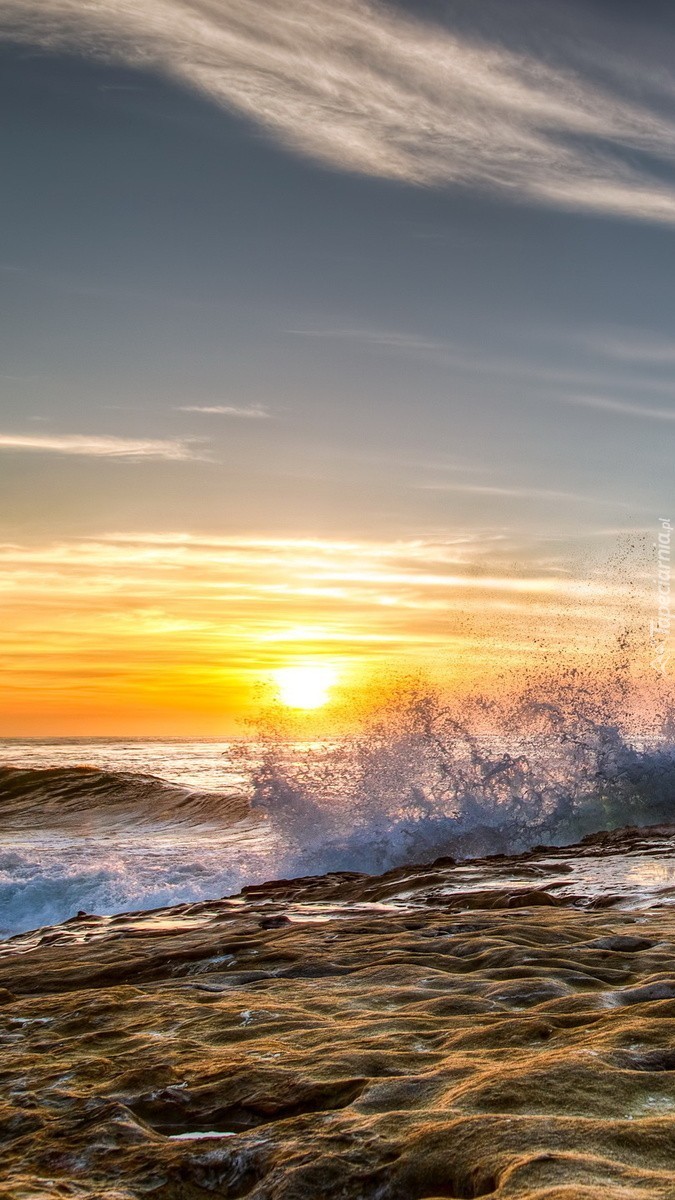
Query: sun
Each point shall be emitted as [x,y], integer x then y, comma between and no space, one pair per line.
[305,687]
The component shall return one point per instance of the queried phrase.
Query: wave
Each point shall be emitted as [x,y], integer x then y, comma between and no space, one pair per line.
[49,880]
[85,799]
[427,778]
[422,779]
[82,838]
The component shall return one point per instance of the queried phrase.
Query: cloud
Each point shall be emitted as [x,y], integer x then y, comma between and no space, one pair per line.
[623,408]
[98,447]
[225,410]
[276,569]
[379,338]
[522,493]
[568,122]
[629,346]
[641,355]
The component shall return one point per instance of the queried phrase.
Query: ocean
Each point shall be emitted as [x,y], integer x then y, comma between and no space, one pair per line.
[112,825]
[107,825]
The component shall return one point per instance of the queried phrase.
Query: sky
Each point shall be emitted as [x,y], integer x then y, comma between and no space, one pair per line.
[334,334]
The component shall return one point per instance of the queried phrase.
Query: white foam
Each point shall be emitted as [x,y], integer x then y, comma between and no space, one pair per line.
[197,1134]
[416,785]
[51,879]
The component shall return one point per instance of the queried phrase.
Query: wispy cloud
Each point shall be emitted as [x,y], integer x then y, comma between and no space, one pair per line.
[98,447]
[523,493]
[642,357]
[631,346]
[225,410]
[623,408]
[206,568]
[379,338]
[366,88]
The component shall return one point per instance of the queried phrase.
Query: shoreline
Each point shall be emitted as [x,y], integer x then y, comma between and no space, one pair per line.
[356,1037]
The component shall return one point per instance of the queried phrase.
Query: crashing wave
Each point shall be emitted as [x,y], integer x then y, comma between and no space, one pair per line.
[423,778]
[426,779]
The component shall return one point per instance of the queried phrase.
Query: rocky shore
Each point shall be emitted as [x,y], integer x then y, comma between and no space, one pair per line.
[500,1028]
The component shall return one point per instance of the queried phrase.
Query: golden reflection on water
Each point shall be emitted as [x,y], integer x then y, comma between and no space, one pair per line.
[652,872]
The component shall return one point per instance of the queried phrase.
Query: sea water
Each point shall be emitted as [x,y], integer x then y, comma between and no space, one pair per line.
[112,825]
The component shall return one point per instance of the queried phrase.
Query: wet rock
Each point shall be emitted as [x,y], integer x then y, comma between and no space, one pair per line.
[649,992]
[349,1046]
[622,945]
[661,1059]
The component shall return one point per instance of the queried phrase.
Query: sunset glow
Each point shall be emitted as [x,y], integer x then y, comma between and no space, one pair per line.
[174,632]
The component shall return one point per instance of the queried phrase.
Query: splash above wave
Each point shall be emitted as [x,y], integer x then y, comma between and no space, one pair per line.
[427,778]
[421,779]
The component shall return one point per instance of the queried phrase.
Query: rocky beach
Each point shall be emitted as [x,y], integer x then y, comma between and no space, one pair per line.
[497,1028]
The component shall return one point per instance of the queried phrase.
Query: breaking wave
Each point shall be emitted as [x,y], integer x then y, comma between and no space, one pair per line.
[423,778]
[427,779]
[51,880]
[85,799]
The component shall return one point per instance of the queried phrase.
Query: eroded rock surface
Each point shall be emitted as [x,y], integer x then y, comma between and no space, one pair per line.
[350,1038]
